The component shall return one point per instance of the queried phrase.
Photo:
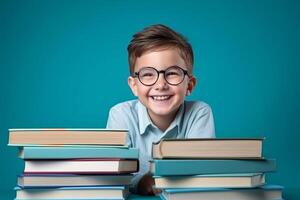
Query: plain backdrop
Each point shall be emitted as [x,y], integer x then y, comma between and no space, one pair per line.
[64,64]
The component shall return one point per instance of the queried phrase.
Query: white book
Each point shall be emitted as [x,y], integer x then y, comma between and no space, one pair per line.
[64,180]
[81,166]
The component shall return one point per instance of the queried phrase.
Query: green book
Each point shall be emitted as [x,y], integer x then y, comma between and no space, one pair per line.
[195,167]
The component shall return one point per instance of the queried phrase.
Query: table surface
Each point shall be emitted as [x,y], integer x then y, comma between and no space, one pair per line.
[289,193]
[10,194]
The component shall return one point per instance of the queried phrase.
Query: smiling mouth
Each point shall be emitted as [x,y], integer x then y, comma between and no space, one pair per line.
[161,98]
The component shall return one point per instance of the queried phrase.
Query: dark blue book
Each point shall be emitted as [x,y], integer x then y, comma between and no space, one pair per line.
[194,167]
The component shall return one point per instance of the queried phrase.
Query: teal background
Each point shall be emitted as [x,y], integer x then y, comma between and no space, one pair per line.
[64,64]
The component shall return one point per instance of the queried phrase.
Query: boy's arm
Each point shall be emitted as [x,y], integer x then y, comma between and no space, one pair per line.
[117,119]
[202,123]
[146,184]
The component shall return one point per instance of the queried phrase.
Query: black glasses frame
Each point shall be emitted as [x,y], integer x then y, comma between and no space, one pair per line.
[185,72]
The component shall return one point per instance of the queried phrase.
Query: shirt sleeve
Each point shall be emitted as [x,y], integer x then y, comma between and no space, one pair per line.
[202,122]
[117,119]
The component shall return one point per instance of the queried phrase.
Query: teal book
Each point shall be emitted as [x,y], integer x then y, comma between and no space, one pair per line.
[97,192]
[195,167]
[268,192]
[70,152]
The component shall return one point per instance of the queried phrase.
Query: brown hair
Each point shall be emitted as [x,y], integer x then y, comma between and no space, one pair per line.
[155,37]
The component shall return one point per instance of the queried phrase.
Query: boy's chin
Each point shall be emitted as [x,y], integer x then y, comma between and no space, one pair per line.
[163,108]
[162,112]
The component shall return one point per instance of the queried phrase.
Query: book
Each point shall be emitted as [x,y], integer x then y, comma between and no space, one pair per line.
[195,167]
[64,180]
[212,148]
[268,192]
[110,192]
[212,180]
[21,137]
[70,152]
[82,166]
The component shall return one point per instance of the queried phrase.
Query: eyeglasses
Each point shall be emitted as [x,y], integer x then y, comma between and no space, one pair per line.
[148,76]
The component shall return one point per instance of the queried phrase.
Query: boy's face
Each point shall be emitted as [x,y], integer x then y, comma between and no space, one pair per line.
[161,99]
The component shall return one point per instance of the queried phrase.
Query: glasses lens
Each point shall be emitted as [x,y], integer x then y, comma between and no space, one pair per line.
[174,75]
[148,76]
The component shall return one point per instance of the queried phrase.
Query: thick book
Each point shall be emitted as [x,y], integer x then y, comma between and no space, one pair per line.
[268,192]
[70,152]
[23,137]
[211,180]
[223,148]
[110,192]
[82,166]
[195,167]
[65,180]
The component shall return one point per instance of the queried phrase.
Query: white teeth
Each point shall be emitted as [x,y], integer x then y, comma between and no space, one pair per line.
[160,98]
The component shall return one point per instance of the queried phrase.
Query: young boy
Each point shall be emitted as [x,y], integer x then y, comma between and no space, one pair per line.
[161,66]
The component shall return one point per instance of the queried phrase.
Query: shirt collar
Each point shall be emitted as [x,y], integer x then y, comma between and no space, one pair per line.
[178,119]
[145,121]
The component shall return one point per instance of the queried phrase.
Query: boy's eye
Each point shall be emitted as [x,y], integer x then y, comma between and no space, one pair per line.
[173,73]
[147,74]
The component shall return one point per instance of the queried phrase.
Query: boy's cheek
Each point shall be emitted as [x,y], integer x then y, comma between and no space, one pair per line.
[135,92]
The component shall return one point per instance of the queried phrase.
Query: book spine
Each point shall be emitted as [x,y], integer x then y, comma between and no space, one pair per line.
[156,151]
[194,167]
[69,153]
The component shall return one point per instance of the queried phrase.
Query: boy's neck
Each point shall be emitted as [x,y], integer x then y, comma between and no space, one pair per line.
[164,121]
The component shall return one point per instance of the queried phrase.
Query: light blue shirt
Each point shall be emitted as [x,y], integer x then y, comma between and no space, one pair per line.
[193,120]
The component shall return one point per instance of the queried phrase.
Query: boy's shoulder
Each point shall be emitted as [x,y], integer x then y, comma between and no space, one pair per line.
[196,106]
[131,105]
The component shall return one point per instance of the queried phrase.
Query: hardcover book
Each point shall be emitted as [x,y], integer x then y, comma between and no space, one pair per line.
[64,180]
[69,152]
[82,166]
[21,137]
[211,180]
[111,192]
[212,148]
[195,167]
[269,192]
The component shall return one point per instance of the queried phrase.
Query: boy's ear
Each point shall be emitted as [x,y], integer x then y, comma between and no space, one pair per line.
[191,85]
[133,86]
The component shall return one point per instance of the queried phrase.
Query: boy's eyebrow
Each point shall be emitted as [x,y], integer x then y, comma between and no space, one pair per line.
[161,66]
[155,67]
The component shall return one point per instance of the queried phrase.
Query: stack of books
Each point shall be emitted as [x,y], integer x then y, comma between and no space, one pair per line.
[74,163]
[213,169]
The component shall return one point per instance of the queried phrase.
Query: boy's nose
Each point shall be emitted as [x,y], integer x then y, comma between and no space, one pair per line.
[161,81]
